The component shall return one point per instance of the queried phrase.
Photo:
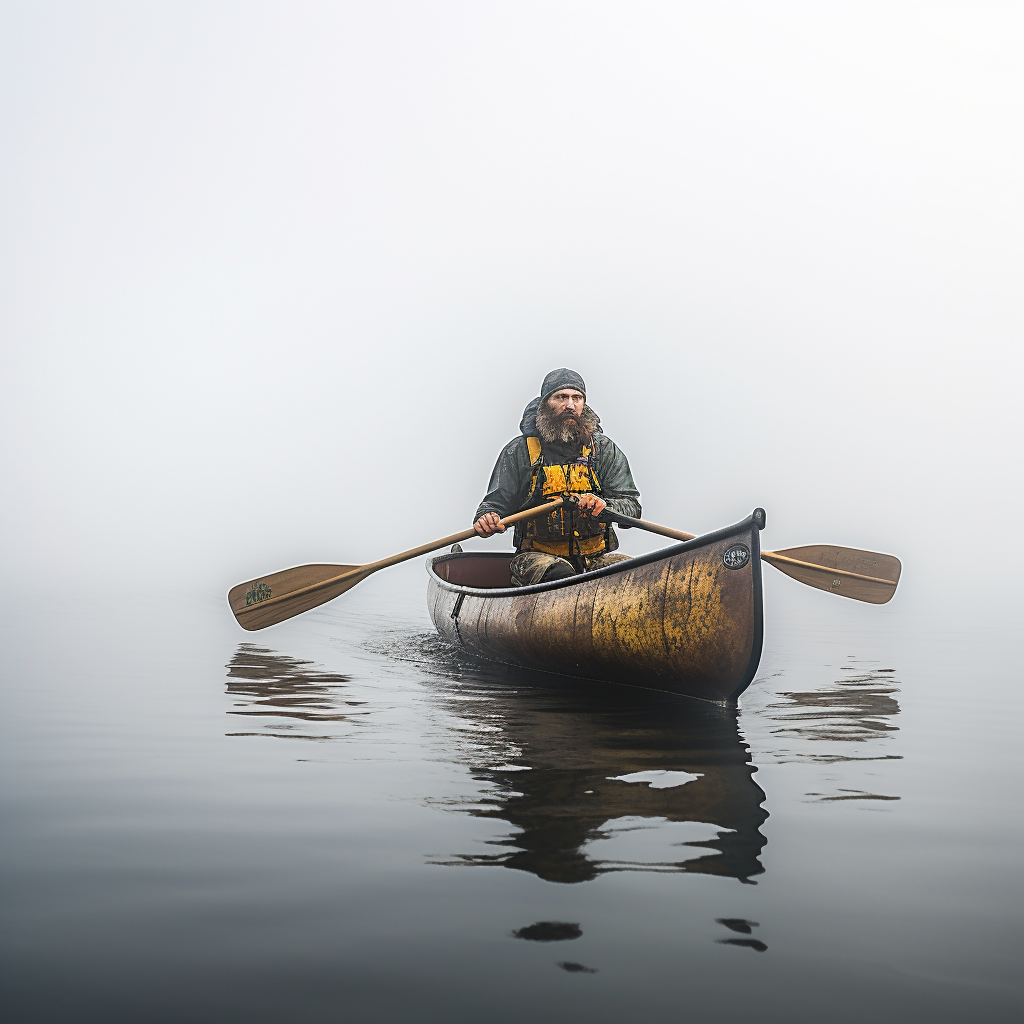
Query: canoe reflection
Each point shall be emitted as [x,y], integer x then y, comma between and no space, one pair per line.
[608,779]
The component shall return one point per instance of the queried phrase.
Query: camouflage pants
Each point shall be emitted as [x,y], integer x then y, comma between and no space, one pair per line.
[529,567]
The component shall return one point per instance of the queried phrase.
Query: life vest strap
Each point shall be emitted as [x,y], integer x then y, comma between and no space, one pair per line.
[534,448]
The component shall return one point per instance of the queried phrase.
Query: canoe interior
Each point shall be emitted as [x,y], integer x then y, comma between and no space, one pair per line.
[483,571]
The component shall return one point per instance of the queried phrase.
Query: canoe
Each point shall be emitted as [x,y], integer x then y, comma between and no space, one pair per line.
[685,619]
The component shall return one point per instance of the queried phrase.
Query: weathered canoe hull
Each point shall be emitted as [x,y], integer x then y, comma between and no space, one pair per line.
[678,619]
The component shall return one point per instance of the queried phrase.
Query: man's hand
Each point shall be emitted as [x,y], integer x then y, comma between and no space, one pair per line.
[590,504]
[489,523]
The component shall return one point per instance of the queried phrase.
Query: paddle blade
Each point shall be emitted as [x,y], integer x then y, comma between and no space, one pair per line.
[850,572]
[268,600]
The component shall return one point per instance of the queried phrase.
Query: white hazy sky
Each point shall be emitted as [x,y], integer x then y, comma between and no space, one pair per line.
[278,278]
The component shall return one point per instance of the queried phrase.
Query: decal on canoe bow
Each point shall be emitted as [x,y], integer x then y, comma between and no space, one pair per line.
[736,557]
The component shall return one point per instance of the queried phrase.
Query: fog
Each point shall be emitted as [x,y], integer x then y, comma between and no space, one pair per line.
[278,279]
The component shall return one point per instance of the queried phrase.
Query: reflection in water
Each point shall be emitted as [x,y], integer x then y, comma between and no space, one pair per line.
[744,927]
[757,944]
[849,720]
[286,691]
[574,968]
[549,931]
[738,924]
[600,778]
[855,709]
[592,778]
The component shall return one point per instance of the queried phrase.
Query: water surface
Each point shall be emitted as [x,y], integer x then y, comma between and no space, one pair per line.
[340,818]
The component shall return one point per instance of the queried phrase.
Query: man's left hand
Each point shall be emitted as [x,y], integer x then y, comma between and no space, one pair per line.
[590,504]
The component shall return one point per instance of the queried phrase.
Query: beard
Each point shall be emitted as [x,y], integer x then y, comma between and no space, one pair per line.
[566,427]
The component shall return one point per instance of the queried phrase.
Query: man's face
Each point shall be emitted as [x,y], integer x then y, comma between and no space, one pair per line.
[567,401]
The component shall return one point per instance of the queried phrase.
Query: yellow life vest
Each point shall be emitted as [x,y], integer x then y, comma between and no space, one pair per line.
[563,532]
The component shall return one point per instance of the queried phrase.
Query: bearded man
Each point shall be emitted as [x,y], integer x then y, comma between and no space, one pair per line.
[561,451]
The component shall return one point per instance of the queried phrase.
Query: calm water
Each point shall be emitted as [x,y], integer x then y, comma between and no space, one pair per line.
[339,819]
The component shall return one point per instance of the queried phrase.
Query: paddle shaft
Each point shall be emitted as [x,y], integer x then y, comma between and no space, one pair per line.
[433,545]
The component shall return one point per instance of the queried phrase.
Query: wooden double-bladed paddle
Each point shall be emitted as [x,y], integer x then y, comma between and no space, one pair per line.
[267,600]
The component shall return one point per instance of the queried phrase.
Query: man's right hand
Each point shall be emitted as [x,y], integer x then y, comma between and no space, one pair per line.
[489,523]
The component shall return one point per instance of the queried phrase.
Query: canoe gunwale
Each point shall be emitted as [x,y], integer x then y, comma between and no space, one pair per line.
[743,526]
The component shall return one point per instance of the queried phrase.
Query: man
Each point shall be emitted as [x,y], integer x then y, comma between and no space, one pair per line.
[562,451]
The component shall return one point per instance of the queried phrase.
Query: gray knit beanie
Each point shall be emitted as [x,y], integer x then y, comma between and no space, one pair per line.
[562,378]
